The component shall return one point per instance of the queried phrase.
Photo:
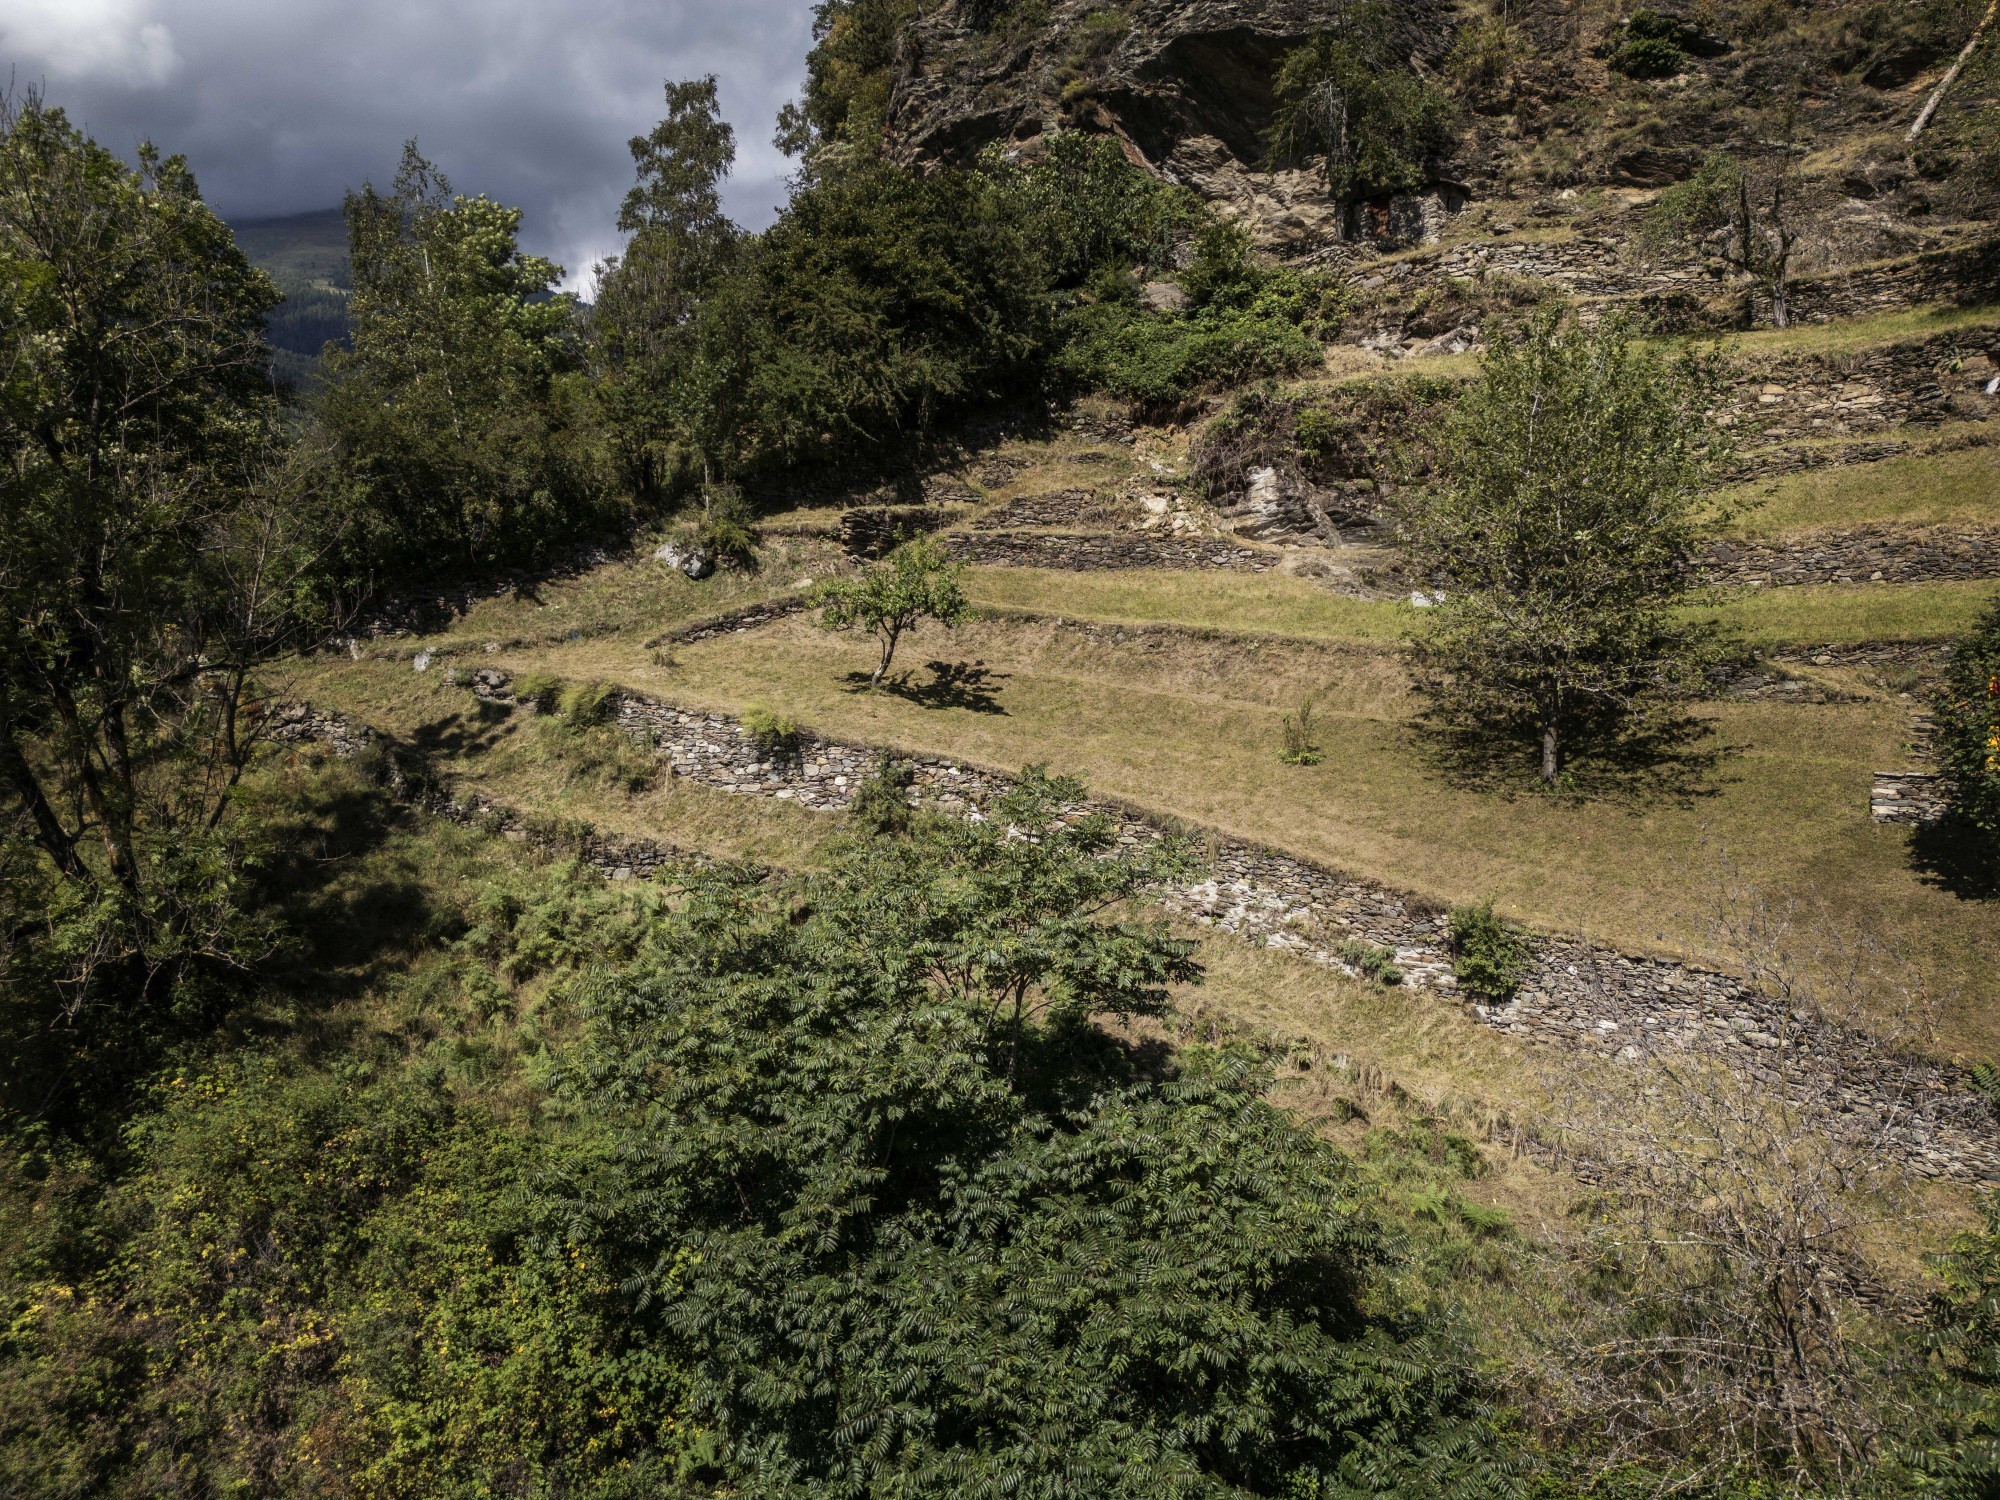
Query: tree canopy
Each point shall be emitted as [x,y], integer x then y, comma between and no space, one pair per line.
[1564,533]
[921,1229]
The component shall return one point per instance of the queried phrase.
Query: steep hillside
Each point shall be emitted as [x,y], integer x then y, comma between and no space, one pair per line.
[1549,109]
[306,255]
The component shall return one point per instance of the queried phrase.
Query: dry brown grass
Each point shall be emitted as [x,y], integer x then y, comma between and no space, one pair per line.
[1190,728]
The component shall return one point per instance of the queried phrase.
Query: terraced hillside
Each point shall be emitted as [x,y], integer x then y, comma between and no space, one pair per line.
[1146,617]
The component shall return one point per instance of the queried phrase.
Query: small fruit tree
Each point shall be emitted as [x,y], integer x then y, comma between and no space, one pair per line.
[1968,724]
[915,582]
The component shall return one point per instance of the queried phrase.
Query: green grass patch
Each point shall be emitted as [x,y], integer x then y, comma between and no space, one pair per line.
[1851,335]
[1275,605]
[1188,732]
[1849,614]
[1231,603]
[1918,488]
[635,595]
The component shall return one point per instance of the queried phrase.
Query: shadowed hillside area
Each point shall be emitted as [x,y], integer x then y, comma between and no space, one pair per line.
[1266,765]
[305,255]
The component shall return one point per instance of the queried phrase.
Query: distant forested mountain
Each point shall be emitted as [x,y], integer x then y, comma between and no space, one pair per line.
[306,255]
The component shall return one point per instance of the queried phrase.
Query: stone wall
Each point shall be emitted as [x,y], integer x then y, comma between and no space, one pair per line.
[1912,798]
[1577,995]
[1862,554]
[736,622]
[422,611]
[1830,395]
[1591,268]
[1065,508]
[1105,553]
[1969,276]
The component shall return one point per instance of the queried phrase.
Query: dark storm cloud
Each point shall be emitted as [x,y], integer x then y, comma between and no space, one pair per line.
[282,104]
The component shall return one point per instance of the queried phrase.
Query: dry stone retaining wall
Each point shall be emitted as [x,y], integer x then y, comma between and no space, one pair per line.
[1862,554]
[1577,995]
[1079,553]
[1602,268]
[1059,508]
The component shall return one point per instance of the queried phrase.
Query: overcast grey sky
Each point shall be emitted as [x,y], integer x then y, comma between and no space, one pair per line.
[281,104]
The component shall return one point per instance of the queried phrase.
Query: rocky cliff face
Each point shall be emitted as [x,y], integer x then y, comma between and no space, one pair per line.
[1184,84]
[1547,117]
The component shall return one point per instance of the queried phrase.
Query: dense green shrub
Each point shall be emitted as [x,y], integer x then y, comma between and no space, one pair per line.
[1373,961]
[1091,209]
[1648,57]
[1350,102]
[918,1228]
[881,804]
[1489,955]
[770,731]
[1159,362]
[1966,713]
[585,705]
[538,690]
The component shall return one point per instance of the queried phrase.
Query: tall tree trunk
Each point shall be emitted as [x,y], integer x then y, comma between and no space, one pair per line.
[1551,753]
[1944,84]
[53,838]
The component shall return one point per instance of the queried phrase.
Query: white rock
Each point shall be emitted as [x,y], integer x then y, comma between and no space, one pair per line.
[686,557]
[422,661]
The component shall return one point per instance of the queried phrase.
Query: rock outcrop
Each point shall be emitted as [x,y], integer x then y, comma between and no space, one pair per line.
[1186,86]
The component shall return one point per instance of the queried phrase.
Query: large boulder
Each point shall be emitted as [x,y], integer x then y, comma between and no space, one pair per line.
[685,556]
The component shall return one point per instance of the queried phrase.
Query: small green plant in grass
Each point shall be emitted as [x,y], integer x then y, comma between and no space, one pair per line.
[1489,955]
[725,525]
[1374,962]
[770,731]
[881,803]
[584,705]
[538,691]
[1301,749]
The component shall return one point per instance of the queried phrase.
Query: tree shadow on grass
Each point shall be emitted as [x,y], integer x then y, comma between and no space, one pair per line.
[1673,760]
[972,686]
[1958,858]
[458,735]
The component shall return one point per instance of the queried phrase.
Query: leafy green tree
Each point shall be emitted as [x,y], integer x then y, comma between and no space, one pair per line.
[1565,533]
[1092,208]
[452,420]
[882,301]
[921,1229]
[658,384]
[149,561]
[1350,101]
[846,99]
[1967,719]
[916,582]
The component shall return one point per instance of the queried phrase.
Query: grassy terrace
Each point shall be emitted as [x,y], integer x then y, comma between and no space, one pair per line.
[1273,604]
[1756,349]
[1925,489]
[1192,729]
